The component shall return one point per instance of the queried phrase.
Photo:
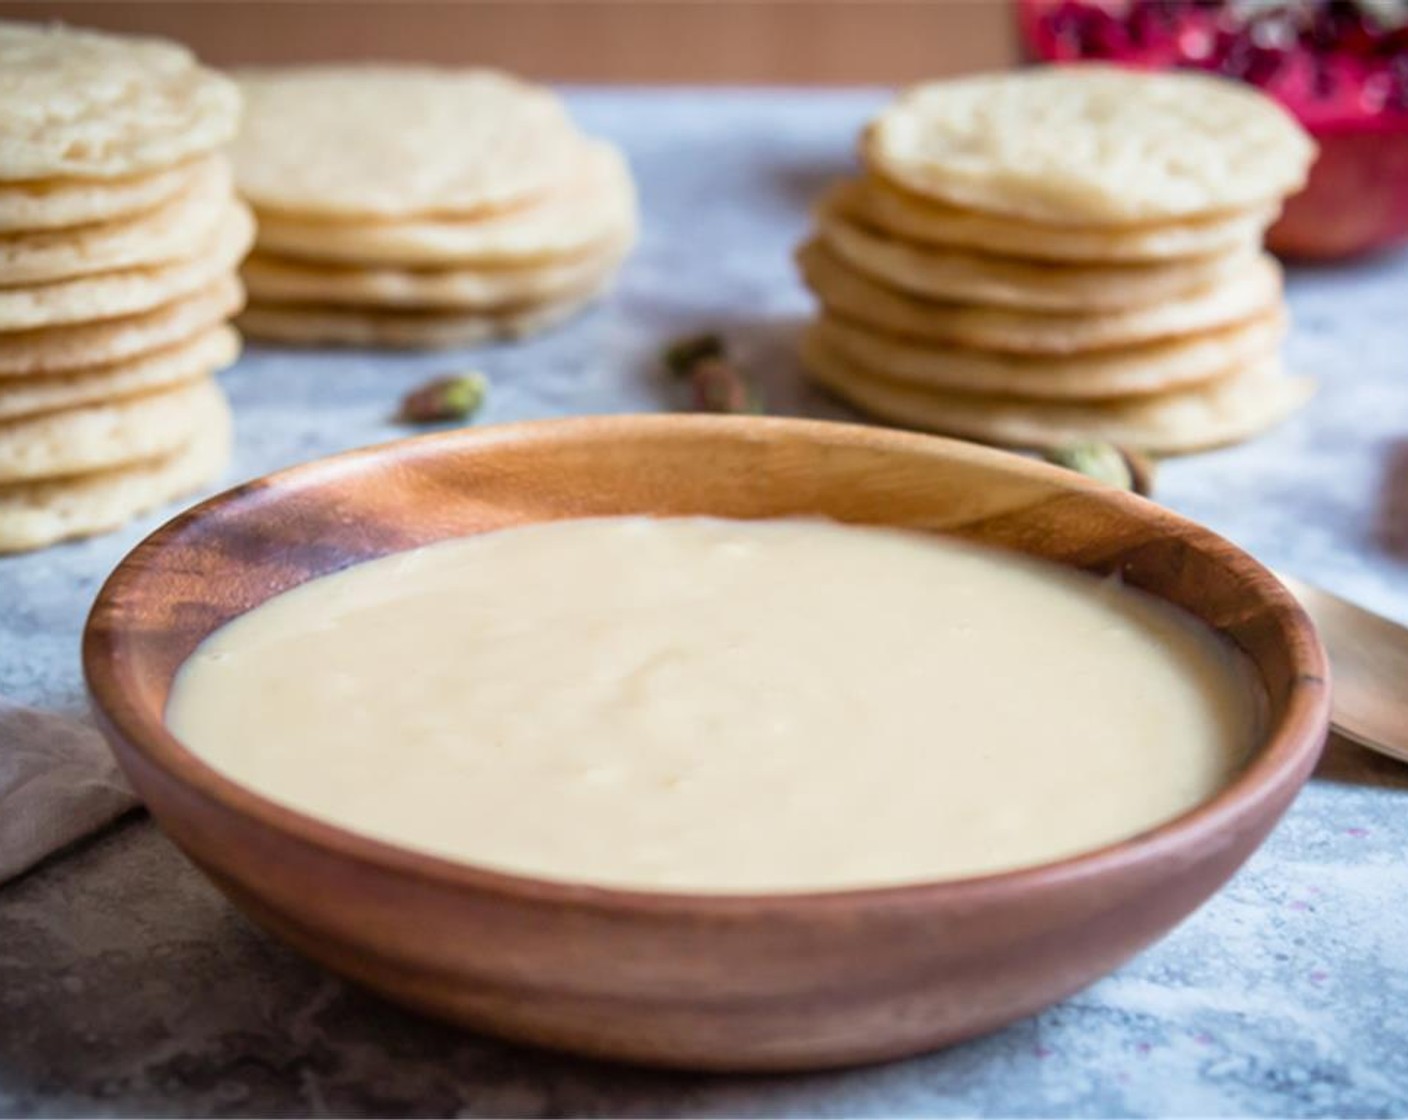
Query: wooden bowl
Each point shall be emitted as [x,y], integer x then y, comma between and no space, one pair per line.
[742,982]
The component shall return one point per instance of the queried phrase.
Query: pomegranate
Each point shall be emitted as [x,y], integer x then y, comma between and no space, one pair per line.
[1340,66]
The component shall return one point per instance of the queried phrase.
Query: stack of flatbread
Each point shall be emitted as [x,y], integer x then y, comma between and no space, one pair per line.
[1059,254]
[417,207]
[120,237]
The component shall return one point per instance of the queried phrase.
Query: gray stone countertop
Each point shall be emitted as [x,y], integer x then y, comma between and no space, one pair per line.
[128,985]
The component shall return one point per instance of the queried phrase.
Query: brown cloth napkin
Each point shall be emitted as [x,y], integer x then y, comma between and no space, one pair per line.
[58,783]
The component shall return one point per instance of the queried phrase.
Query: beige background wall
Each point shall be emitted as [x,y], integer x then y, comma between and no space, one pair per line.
[768,41]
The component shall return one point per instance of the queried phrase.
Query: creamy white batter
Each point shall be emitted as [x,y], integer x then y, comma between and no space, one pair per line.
[709,705]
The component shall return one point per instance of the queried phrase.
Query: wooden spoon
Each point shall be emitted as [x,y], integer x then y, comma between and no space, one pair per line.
[1369,667]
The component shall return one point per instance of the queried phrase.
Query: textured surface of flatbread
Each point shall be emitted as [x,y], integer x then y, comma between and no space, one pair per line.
[79,346]
[175,230]
[103,436]
[108,295]
[874,202]
[589,211]
[1006,282]
[84,104]
[307,325]
[397,142]
[1157,367]
[1220,412]
[37,514]
[1246,294]
[279,280]
[1091,145]
[177,365]
[60,203]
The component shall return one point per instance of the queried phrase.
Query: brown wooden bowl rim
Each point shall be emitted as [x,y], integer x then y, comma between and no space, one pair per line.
[1284,747]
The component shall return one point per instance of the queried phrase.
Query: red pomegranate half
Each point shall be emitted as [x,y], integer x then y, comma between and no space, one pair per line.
[1340,66]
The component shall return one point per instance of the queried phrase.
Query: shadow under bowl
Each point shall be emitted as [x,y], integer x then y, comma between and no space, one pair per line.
[739,982]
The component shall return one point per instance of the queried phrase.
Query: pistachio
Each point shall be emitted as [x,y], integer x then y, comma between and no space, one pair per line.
[1107,463]
[717,384]
[453,397]
[722,387]
[682,355]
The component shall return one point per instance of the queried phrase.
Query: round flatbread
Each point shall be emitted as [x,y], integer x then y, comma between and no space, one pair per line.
[1248,293]
[62,203]
[38,514]
[305,325]
[1227,410]
[108,295]
[175,230]
[1091,145]
[161,369]
[592,210]
[102,436]
[1135,371]
[1007,282]
[279,280]
[87,105]
[874,202]
[385,142]
[80,346]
